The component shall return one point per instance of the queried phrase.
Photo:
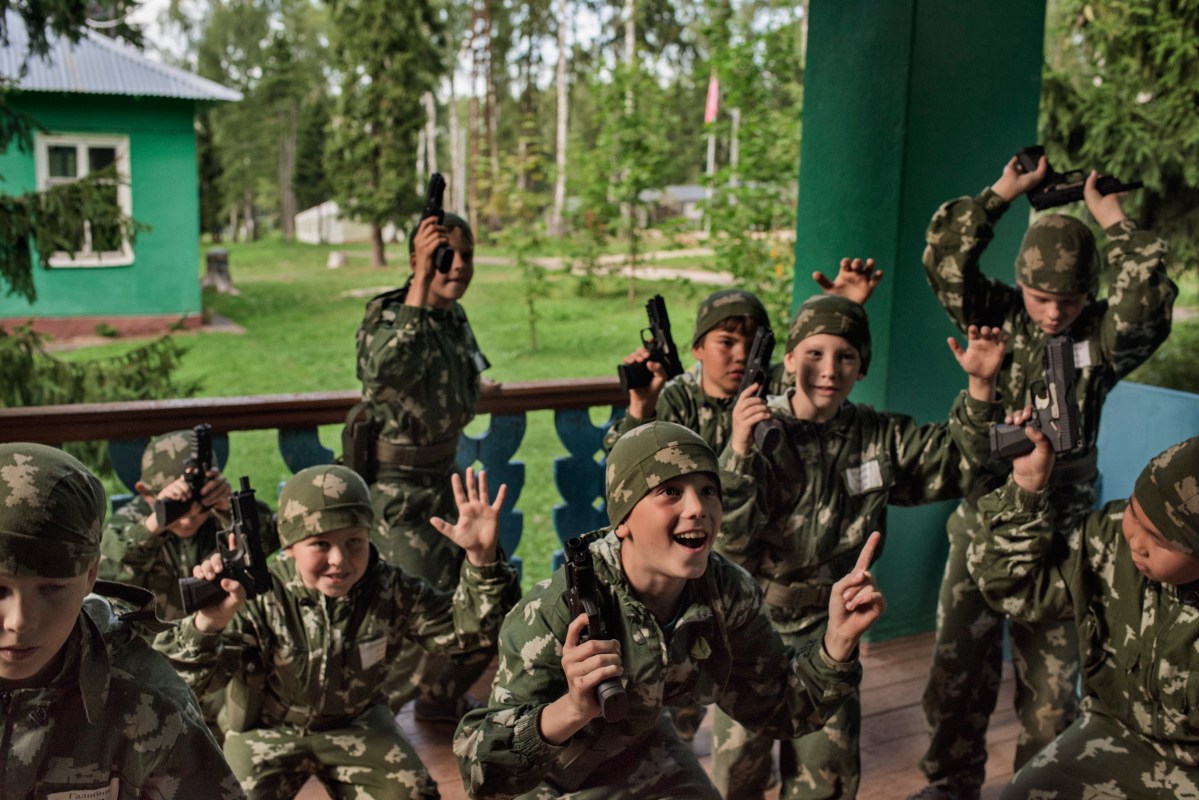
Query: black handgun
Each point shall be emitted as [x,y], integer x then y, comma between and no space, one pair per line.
[585,599]
[195,473]
[244,562]
[757,370]
[443,256]
[660,345]
[1055,414]
[1060,188]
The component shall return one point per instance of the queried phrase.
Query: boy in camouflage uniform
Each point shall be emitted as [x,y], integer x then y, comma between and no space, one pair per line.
[307,662]
[89,710]
[136,551]
[419,365]
[799,505]
[688,627]
[1057,275]
[1128,574]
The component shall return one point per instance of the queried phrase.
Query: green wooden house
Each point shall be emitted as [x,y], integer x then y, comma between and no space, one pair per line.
[101,101]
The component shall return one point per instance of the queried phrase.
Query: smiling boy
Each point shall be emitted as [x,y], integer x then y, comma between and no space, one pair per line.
[87,709]
[307,662]
[688,627]
[1128,576]
[798,511]
[1057,280]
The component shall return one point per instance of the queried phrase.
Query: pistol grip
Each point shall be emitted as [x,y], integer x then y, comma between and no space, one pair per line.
[167,510]
[1009,441]
[198,593]
[634,376]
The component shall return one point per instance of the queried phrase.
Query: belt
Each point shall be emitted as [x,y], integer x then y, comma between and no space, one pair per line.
[272,708]
[795,596]
[415,455]
[1077,470]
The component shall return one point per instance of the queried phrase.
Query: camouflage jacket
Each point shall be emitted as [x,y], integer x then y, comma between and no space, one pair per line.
[156,561]
[723,650]
[419,369]
[1112,336]
[1140,660]
[798,514]
[116,723]
[325,659]
[684,401]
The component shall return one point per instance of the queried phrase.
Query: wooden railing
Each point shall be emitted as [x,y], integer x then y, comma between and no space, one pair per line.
[579,477]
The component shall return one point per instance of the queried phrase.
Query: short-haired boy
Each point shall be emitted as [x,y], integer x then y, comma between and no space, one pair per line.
[1057,280]
[688,627]
[798,510]
[1127,576]
[308,660]
[89,710]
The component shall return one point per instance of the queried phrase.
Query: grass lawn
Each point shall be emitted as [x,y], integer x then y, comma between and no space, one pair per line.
[299,320]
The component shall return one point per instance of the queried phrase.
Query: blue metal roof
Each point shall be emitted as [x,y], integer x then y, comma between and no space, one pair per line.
[99,65]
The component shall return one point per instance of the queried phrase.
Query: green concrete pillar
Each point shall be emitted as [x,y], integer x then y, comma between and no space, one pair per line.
[907,104]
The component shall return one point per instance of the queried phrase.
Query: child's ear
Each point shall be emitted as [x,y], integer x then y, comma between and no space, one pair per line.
[789,361]
[144,490]
[621,531]
[92,574]
[697,352]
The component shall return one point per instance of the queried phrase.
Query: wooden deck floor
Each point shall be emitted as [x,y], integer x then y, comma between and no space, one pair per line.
[893,735]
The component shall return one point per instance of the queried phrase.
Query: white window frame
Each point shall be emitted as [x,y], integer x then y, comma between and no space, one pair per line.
[86,257]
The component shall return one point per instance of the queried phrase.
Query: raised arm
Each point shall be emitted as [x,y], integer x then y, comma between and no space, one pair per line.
[856,280]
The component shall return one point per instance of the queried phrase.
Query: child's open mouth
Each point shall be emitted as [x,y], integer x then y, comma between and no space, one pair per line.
[692,540]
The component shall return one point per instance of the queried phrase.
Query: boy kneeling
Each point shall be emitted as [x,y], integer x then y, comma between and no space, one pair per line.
[689,626]
[1129,575]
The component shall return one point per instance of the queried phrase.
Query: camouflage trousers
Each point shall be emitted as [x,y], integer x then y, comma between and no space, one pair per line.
[403,535]
[963,683]
[369,760]
[662,769]
[1100,757]
[823,764]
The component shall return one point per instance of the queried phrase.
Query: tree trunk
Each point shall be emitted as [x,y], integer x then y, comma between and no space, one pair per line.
[287,168]
[248,215]
[456,194]
[630,206]
[491,111]
[420,161]
[233,223]
[557,226]
[430,131]
[378,256]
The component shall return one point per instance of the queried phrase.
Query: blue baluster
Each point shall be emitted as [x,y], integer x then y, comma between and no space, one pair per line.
[494,448]
[301,448]
[579,477]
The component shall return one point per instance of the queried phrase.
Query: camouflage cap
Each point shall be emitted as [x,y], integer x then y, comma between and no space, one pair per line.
[322,499]
[164,458]
[1168,492]
[1059,255]
[648,455]
[724,304]
[830,313]
[51,513]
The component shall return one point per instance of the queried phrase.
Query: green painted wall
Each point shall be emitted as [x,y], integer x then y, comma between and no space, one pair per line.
[908,104]
[162,147]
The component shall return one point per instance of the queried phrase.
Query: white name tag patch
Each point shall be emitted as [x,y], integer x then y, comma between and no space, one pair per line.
[109,792]
[1082,354]
[865,478]
[372,653]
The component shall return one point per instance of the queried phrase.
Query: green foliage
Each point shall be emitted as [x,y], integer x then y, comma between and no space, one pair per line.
[29,376]
[1119,96]
[309,177]
[1173,364]
[59,220]
[388,55]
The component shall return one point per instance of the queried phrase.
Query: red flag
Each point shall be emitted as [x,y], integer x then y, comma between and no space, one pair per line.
[713,99]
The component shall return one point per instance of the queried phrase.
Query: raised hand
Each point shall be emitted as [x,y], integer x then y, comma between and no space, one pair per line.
[854,605]
[585,666]
[856,280]
[1031,470]
[983,355]
[1105,208]
[478,526]
[1013,183]
[643,401]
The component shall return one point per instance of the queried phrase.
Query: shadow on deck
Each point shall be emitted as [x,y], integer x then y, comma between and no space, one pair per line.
[893,734]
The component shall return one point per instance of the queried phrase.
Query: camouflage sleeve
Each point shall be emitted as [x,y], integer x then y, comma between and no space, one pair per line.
[128,550]
[205,661]
[396,349]
[958,234]
[1141,301]
[501,752]
[1015,557]
[748,494]
[774,690]
[192,766]
[669,408]
[454,622]
[932,462]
